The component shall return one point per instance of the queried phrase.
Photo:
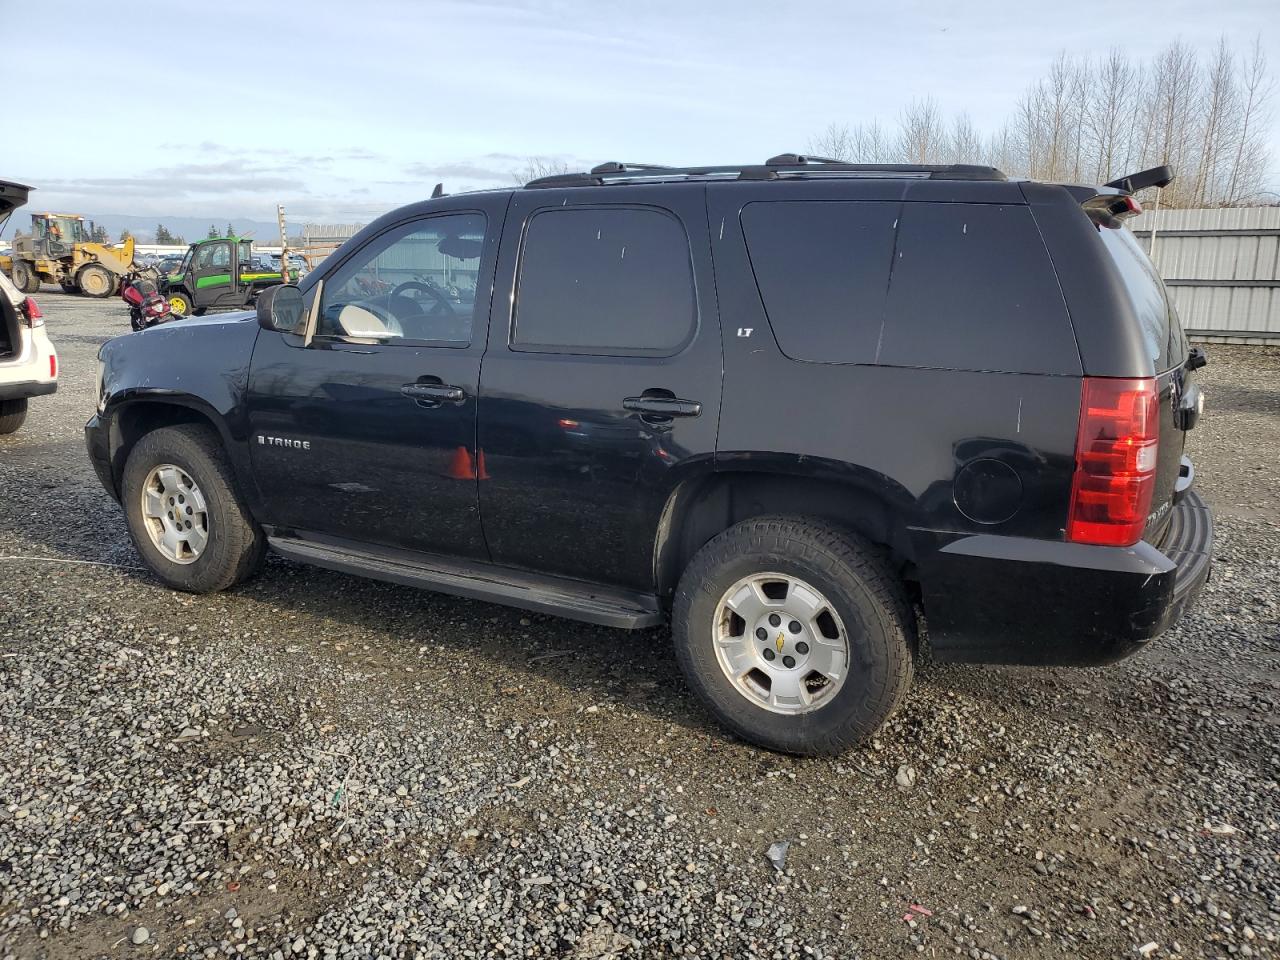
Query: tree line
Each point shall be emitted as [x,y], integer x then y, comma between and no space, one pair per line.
[1093,120]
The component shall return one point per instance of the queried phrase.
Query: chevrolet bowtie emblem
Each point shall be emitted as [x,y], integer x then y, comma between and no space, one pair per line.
[780,642]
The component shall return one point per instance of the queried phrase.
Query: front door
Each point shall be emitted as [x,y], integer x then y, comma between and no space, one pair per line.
[211,273]
[367,432]
[601,389]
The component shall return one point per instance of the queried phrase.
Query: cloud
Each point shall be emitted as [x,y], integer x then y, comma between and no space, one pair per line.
[463,170]
[173,185]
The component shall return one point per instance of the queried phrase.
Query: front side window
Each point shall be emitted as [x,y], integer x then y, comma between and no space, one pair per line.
[609,281]
[214,256]
[414,282]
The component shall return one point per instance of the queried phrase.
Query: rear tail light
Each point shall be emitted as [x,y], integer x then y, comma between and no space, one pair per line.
[1116,450]
[31,313]
[53,366]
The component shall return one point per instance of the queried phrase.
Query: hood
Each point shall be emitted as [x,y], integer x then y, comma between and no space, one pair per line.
[12,196]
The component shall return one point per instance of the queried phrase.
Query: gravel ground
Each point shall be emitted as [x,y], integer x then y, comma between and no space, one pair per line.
[319,766]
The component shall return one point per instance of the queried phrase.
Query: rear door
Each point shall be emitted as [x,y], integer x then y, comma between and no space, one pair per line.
[601,387]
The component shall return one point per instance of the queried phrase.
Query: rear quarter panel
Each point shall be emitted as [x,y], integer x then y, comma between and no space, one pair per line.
[899,432]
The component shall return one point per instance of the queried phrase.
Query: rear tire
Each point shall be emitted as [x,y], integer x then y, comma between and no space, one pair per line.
[95,280]
[870,618]
[12,415]
[234,544]
[24,278]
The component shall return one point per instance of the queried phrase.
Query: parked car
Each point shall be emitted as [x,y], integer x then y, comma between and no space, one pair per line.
[784,405]
[28,361]
[167,265]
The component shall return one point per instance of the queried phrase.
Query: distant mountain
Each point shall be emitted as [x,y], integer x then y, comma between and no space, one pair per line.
[191,228]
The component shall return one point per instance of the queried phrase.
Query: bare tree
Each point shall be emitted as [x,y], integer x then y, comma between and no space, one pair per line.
[835,142]
[865,143]
[1092,121]
[964,145]
[922,134]
[1250,154]
[535,167]
[1108,115]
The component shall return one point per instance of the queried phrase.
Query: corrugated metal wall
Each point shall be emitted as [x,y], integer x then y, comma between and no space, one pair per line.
[1222,268]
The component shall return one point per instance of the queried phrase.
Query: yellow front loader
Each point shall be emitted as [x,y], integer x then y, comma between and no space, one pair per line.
[60,249]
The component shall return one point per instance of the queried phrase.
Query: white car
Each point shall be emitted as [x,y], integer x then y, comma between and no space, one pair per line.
[28,362]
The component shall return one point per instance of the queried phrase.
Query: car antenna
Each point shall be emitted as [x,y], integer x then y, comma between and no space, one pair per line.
[438,192]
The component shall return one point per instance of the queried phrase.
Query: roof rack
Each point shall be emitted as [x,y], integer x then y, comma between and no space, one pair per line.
[782,166]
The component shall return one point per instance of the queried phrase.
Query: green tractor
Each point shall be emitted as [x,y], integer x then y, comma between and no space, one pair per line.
[217,273]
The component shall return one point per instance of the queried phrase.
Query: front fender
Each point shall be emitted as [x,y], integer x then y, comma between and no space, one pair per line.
[196,368]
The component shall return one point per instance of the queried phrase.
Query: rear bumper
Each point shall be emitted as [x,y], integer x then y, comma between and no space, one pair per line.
[27,388]
[992,599]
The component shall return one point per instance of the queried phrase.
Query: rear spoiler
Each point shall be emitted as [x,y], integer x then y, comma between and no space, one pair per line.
[1112,209]
[1160,177]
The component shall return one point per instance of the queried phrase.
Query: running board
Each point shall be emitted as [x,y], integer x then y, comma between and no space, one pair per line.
[560,596]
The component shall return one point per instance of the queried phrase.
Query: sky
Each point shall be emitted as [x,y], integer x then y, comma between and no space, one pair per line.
[346,110]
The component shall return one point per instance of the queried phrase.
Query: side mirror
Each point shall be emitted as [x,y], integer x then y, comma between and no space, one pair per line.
[280,308]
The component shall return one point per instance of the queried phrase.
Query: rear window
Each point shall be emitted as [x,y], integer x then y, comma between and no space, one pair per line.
[1161,332]
[822,269]
[973,289]
[611,281]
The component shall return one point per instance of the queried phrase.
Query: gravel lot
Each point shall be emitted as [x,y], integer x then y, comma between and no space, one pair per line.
[320,766]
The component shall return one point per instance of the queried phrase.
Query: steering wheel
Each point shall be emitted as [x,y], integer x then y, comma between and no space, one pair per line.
[441,308]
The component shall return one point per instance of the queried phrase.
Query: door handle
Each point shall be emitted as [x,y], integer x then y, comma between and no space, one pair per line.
[435,393]
[662,406]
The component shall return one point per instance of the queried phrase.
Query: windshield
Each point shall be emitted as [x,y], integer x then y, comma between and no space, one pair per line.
[66,229]
[186,261]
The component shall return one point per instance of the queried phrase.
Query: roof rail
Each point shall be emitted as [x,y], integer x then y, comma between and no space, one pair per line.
[797,160]
[782,166]
[613,166]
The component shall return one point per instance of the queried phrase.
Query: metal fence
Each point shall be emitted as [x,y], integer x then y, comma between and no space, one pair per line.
[1222,268]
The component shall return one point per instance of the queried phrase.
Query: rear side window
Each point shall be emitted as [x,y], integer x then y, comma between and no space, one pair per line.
[973,289]
[1161,331]
[822,268]
[611,281]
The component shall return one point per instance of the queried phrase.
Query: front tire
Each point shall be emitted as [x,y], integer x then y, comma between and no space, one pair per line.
[184,512]
[12,415]
[95,280]
[179,302]
[795,634]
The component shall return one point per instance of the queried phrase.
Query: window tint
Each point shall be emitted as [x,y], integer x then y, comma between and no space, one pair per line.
[973,289]
[414,282]
[609,281]
[823,273]
[1161,331]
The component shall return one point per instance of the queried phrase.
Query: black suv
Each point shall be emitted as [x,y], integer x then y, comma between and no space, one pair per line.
[786,405]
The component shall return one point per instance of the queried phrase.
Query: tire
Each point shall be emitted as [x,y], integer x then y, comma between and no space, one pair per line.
[68,286]
[179,302]
[24,278]
[12,415]
[95,280]
[235,543]
[870,609]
